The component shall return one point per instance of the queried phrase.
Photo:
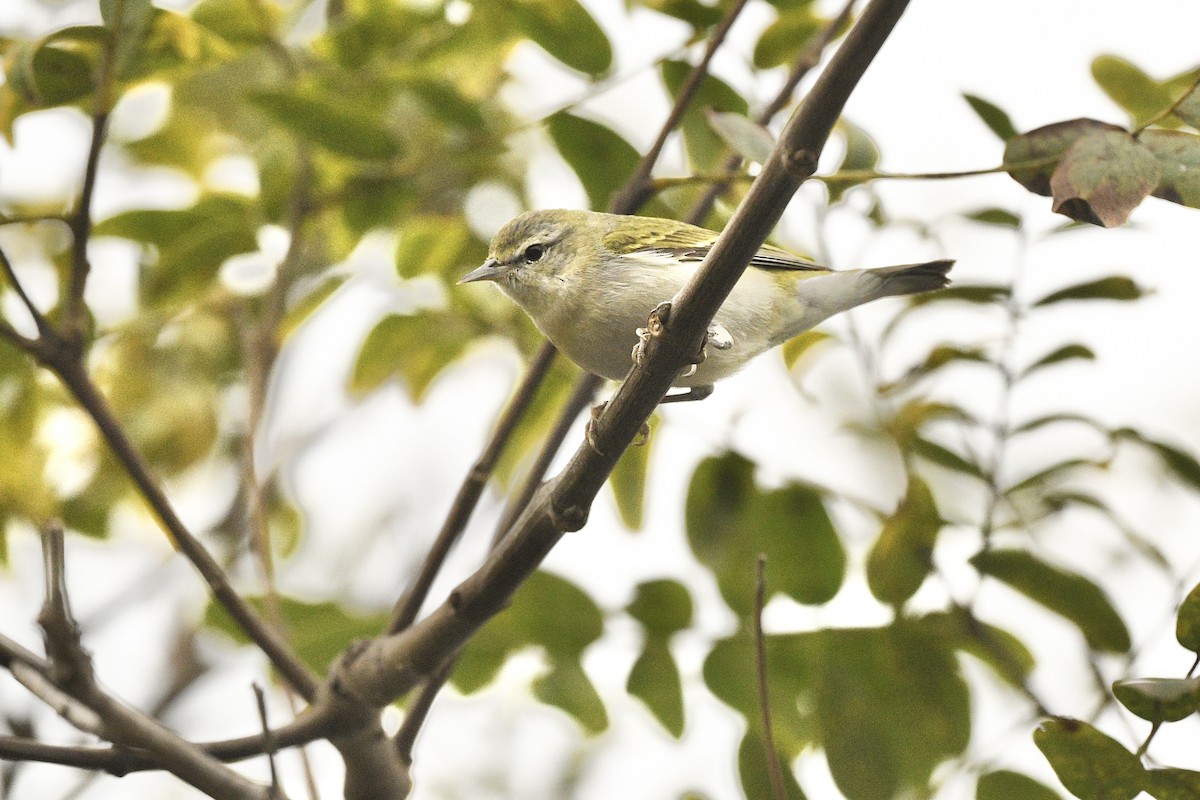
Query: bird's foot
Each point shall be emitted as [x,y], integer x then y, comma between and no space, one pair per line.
[717,338]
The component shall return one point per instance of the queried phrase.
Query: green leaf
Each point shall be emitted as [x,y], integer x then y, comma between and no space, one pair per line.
[319,632]
[59,68]
[628,481]
[663,607]
[437,244]
[996,216]
[233,21]
[693,12]
[1067,352]
[1000,650]
[730,521]
[1007,785]
[192,243]
[1159,699]
[1172,783]
[1090,764]
[347,129]
[415,347]
[784,38]
[744,136]
[862,155]
[993,116]
[127,20]
[565,30]
[944,457]
[1052,419]
[965,293]
[1068,594]
[1178,155]
[1102,177]
[1117,287]
[939,357]
[798,347]
[655,681]
[1187,622]
[1182,464]
[552,614]
[598,155]
[752,769]
[706,151]
[1188,107]
[902,556]
[1132,89]
[1048,144]
[886,704]
[568,687]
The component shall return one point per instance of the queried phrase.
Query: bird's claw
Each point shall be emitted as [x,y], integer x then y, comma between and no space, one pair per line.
[717,338]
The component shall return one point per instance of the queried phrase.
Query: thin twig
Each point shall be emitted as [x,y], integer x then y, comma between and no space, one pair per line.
[638,189]
[409,605]
[39,318]
[809,57]
[73,375]
[418,709]
[260,700]
[80,223]
[778,788]
[582,396]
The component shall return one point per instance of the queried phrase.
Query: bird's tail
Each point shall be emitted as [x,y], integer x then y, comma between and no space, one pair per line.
[910,278]
[823,294]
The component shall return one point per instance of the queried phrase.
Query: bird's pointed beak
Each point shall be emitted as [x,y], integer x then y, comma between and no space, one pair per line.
[488,271]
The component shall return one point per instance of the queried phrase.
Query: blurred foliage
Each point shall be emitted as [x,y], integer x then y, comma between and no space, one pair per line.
[385,118]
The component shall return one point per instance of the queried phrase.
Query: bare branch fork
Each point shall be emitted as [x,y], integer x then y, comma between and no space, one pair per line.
[389,667]
[71,671]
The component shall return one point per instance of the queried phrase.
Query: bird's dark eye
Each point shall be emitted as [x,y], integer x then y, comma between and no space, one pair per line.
[534,253]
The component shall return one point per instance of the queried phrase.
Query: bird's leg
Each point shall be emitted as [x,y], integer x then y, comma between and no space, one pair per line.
[716,337]
[642,437]
[692,394]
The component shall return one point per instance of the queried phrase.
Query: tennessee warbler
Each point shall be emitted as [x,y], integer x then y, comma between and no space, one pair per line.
[589,280]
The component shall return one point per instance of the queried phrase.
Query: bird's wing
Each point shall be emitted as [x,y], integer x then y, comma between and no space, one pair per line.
[688,243]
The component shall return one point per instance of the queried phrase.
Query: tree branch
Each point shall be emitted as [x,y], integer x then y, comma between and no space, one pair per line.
[778,788]
[73,375]
[388,667]
[73,673]
[409,605]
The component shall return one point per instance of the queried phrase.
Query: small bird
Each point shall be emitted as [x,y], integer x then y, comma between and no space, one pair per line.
[589,280]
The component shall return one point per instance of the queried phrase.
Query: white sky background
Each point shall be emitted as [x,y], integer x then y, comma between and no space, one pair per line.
[342,460]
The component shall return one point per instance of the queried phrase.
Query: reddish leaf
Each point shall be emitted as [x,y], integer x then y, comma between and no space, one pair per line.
[1102,177]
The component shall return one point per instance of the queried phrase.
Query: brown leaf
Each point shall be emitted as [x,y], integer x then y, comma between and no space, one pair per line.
[1102,177]
[1046,142]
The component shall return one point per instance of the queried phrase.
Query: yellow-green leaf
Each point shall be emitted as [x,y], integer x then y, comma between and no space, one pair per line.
[1092,765]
